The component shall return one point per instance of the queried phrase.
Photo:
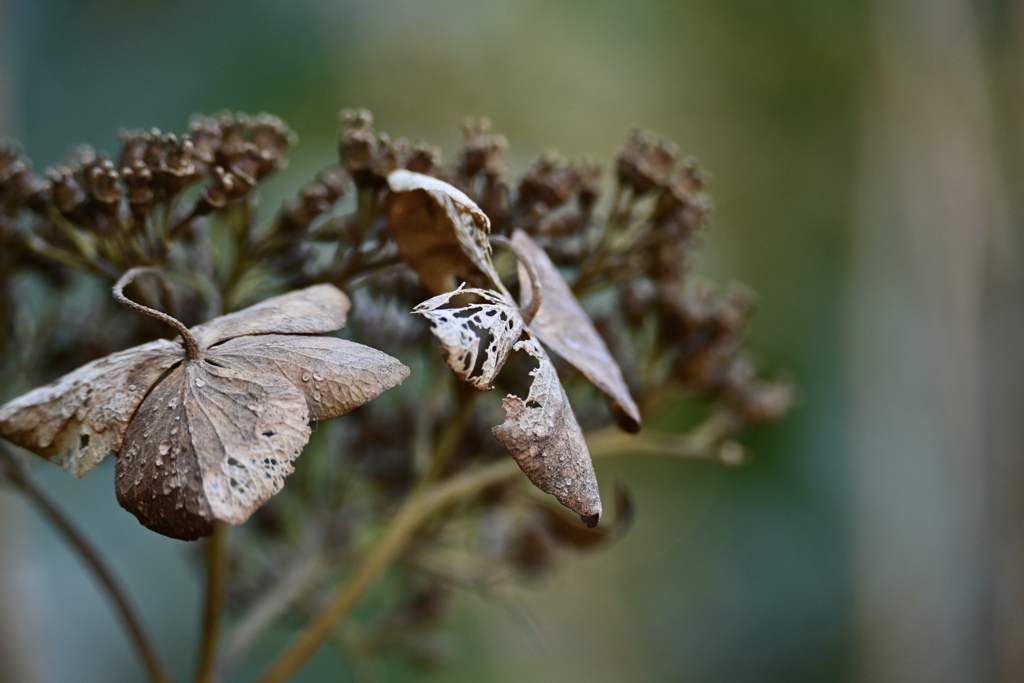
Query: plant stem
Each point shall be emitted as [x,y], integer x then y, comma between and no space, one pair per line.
[16,474]
[414,512]
[216,596]
[297,579]
[417,509]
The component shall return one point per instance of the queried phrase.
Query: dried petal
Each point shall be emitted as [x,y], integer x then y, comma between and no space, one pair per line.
[542,435]
[334,375]
[564,327]
[475,338]
[79,418]
[215,437]
[440,232]
[313,310]
[209,443]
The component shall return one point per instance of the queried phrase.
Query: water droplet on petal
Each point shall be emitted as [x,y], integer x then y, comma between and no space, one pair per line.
[132,387]
[317,377]
[305,377]
[164,448]
[200,383]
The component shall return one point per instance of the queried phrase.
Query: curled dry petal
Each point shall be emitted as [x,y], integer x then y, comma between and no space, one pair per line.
[440,232]
[563,326]
[542,435]
[476,337]
[211,436]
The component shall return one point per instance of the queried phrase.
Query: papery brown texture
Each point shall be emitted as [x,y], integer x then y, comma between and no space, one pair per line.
[542,435]
[440,232]
[216,436]
[563,326]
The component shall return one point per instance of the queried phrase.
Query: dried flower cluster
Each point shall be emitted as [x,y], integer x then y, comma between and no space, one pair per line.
[207,426]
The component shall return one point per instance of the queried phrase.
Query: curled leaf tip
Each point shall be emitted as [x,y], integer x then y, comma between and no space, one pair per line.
[544,438]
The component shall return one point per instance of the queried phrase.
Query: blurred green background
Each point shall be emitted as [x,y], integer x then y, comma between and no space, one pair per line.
[867,160]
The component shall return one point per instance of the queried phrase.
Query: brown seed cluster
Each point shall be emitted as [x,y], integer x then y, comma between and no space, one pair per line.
[620,242]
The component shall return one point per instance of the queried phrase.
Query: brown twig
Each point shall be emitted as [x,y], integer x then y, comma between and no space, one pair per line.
[16,474]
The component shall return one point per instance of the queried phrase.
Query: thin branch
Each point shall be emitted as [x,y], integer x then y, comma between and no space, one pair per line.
[413,513]
[705,440]
[216,597]
[295,581]
[16,474]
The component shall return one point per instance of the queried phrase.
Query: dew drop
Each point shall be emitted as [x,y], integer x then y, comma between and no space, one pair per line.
[305,377]
[317,377]
[568,481]
[561,458]
[200,383]
[132,387]
[164,448]
[316,396]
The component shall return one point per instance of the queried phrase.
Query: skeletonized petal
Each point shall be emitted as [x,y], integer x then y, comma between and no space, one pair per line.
[82,416]
[476,337]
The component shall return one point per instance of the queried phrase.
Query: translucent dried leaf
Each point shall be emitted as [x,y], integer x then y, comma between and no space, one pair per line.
[542,435]
[440,232]
[215,436]
[563,326]
[313,310]
[476,337]
[76,420]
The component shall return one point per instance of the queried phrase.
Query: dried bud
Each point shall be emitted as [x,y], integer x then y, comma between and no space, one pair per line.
[103,184]
[645,162]
[222,189]
[68,194]
[273,139]
[205,139]
[766,401]
[481,150]
[730,311]
[423,159]
[549,182]
[358,144]
[138,178]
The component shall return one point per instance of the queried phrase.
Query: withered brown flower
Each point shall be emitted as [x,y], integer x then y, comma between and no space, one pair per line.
[444,236]
[205,428]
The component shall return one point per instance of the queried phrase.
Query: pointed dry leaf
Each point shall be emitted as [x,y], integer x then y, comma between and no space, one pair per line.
[476,337]
[215,437]
[542,435]
[439,231]
[562,325]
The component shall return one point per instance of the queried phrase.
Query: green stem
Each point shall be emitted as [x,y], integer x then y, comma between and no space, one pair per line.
[416,509]
[16,474]
[422,504]
[216,596]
